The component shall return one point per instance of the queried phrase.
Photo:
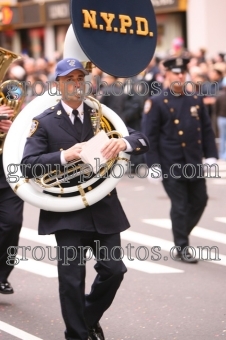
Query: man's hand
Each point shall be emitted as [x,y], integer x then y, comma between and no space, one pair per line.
[113,147]
[73,152]
[209,100]
[5,123]
[210,161]
[211,168]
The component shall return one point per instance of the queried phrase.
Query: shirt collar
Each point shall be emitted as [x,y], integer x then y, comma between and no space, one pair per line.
[69,109]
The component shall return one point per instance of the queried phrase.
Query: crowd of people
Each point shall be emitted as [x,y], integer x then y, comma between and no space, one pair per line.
[205,75]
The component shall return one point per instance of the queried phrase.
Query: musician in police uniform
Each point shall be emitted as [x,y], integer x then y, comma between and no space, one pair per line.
[57,137]
[180,135]
[11,213]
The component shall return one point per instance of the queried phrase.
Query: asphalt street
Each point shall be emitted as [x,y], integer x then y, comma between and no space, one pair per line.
[159,299]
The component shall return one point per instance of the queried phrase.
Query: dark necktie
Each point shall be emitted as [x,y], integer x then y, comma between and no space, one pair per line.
[77,124]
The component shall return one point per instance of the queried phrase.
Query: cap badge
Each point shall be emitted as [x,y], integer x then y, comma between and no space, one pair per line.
[71,63]
[179,62]
[194,112]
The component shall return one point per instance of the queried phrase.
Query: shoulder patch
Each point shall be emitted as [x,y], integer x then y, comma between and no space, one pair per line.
[34,126]
[147,106]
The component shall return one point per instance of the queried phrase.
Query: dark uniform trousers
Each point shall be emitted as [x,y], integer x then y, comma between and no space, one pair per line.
[188,201]
[11,215]
[110,270]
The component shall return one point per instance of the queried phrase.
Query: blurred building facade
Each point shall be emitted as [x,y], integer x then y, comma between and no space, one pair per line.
[38,28]
[206,26]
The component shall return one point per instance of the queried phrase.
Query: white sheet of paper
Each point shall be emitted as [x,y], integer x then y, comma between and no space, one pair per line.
[91,150]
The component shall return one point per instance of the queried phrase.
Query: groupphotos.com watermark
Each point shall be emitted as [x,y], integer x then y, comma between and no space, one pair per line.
[82,254]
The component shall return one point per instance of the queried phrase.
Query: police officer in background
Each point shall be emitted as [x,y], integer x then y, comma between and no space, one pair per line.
[180,135]
[11,212]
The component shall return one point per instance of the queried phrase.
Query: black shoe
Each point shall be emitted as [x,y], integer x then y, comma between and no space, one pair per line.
[6,288]
[99,331]
[92,335]
[96,332]
[186,257]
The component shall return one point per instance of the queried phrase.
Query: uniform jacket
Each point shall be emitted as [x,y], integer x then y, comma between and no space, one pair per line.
[179,132]
[220,105]
[132,111]
[3,182]
[2,175]
[54,132]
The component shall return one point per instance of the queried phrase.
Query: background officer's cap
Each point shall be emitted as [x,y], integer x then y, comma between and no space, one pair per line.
[68,65]
[176,64]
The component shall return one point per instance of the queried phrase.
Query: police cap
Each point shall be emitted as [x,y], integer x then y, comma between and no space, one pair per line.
[176,64]
[67,65]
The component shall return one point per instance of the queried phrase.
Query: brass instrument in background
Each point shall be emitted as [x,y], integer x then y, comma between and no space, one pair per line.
[11,91]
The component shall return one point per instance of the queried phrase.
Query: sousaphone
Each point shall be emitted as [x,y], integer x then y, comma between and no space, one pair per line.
[118,37]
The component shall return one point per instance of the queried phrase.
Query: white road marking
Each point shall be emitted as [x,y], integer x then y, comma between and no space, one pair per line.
[142,239]
[222,174]
[150,267]
[17,332]
[219,181]
[35,266]
[197,231]
[222,165]
[150,241]
[32,235]
[128,235]
[220,219]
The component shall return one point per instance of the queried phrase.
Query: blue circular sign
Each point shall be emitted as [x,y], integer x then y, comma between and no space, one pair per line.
[118,36]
